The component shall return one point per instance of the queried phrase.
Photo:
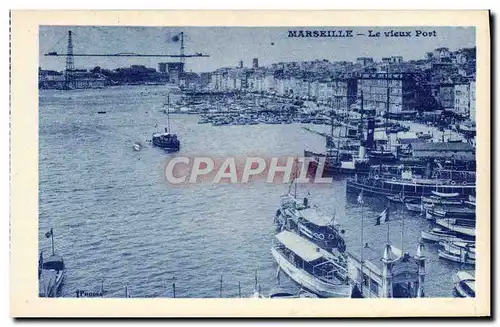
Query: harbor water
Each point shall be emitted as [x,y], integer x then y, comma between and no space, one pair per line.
[118,222]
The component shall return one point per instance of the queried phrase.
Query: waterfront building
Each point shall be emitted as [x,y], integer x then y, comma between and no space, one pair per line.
[49,79]
[462,99]
[447,95]
[472,100]
[80,79]
[269,82]
[387,92]
[88,81]
[314,89]
[174,69]
[304,88]
[344,90]
[324,91]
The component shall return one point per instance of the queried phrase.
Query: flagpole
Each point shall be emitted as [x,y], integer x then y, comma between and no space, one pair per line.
[362,244]
[403,234]
[52,234]
[388,222]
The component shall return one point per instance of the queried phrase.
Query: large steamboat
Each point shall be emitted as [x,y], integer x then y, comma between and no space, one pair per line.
[415,181]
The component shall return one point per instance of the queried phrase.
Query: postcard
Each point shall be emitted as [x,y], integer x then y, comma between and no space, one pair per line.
[250,163]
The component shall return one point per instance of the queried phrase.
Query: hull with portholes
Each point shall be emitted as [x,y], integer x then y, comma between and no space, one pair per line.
[410,188]
[301,220]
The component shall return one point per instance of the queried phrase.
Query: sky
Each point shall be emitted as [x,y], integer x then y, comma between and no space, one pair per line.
[228,45]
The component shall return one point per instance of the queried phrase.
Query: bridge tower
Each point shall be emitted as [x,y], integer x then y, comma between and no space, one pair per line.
[70,64]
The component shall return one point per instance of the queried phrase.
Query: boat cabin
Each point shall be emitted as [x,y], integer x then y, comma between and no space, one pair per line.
[310,258]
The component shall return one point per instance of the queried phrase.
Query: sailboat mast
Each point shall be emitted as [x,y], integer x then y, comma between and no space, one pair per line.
[387,118]
[295,178]
[168,113]
[362,248]
[402,232]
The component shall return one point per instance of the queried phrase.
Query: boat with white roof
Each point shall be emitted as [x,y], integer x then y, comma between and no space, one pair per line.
[310,266]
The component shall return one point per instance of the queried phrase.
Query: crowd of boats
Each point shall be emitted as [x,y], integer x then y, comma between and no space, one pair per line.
[309,246]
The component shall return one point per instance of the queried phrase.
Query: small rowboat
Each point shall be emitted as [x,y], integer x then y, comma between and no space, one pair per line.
[465,284]
[464,258]
[439,234]
[413,207]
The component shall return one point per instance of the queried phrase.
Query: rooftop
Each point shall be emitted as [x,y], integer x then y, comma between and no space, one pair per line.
[300,246]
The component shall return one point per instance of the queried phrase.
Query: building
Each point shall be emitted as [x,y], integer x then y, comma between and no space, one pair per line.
[364,61]
[344,91]
[255,63]
[174,69]
[396,59]
[446,96]
[205,80]
[325,91]
[79,79]
[162,67]
[384,92]
[462,99]
[472,101]
[442,55]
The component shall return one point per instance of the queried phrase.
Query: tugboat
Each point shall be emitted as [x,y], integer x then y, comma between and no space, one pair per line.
[166,140]
[50,272]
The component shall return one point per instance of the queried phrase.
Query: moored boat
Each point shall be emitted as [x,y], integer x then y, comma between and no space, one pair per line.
[299,217]
[50,272]
[440,234]
[458,248]
[412,181]
[469,231]
[414,207]
[464,258]
[311,267]
[464,284]
[167,141]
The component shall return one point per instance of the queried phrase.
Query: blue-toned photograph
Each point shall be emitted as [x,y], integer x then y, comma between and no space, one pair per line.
[257,162]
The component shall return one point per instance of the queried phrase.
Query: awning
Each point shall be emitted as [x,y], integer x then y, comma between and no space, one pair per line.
[315,217]
[300,246]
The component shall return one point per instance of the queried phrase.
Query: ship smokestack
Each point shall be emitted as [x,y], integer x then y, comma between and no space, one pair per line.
[370,133]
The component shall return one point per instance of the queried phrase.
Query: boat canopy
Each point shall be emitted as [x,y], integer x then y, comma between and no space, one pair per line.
[300,246]
[315,217]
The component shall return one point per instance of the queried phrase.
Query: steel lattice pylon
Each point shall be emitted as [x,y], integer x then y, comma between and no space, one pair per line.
[70,65]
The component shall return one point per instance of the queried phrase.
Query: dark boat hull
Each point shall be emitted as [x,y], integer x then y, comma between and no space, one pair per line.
[332,167]
[167,146]
[381,188]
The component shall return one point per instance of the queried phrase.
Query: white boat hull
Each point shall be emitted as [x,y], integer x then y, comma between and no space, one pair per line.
[310,282]
[432,237]
[446,223]
[457,250]
[456,258]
